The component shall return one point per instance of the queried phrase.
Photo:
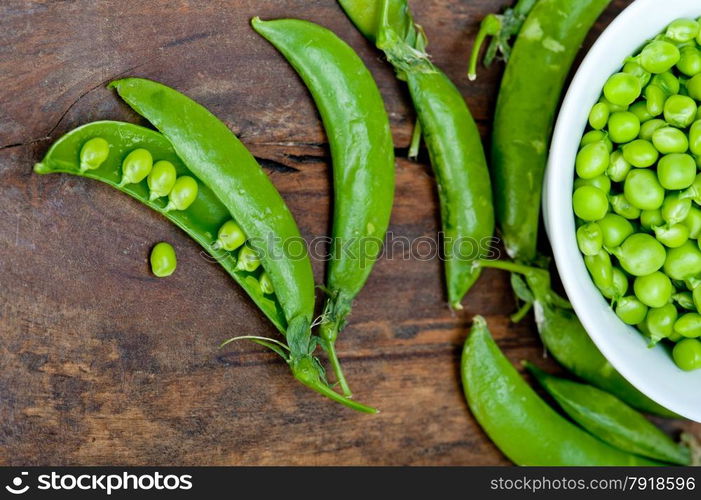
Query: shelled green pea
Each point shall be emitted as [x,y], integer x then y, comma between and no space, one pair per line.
[266,285]
[93,153]
[230,236]
[183,194]
[631,310]
[163,259]
[161,179]
[687,354]
[248,260]
[136,166]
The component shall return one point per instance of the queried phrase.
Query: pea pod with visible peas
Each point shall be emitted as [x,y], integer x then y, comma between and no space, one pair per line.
[528,99]
[217,180]
[610,419]
[362,152]
[565,338]
[520,423]
[451,135]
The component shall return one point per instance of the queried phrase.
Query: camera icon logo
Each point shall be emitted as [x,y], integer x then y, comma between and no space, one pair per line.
[16,488]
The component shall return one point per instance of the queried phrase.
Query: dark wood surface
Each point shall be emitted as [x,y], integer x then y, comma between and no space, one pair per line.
[101,363]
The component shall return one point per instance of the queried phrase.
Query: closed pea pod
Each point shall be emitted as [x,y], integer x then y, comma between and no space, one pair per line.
[451,136]
[521,424]
[526,107]
[610,419]
[565,338]
[362,154]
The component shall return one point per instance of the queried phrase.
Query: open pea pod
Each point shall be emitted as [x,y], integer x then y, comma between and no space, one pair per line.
[201,220]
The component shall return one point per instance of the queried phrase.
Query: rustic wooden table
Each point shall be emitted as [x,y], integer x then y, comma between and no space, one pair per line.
[100,363]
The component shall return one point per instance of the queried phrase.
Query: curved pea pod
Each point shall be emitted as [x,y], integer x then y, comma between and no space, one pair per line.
[451,136]
[525,112]
[566,339]
[520,423]
[610,419]
[362,153]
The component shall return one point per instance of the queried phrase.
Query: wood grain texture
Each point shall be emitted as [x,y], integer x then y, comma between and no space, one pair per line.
[100,363]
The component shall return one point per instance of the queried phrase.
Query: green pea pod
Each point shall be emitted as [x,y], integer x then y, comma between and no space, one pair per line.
[362,154]
[520,423]
[610,419]
[530,92]
[450,133]
[567,340]
[200,221]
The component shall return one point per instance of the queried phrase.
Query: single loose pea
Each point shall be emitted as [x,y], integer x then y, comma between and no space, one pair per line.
[689,325]
[693,87]
[651,218]
[695,138]
[640,254]
[183,194]
[693,222]
[659,56]
[161,179]
[614,230]
[589,203]
[634,68]
[612,107]
[648,129]
[619,285]
[248,260]
[596,136]
[640,153]
[682,30]
[230,236]
[621,205]
[623,126]
[94,153]
[599,116]
[680,110]
[693,192]
[672,236]
[687,354]
[266,284]
[618,167]
[590,238]
[675,208]
[690,61]
[639,109]
[668,82]
[676,171]
[163,260]
[623,88]
[684,300]
[660,322]
[642,189]
[654,99]
[653,290]
[631,310]
[670,140]
[602,182]
[601,270]
[683,262]
[592,160]
[136,166]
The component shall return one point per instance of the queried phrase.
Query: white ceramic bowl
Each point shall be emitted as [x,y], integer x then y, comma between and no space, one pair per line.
[652,371]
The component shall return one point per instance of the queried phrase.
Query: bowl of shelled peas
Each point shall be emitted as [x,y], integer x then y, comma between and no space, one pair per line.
[623,202]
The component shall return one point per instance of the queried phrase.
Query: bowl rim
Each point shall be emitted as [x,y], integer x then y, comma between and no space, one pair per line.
[640,21]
